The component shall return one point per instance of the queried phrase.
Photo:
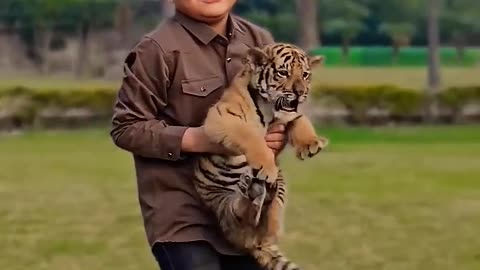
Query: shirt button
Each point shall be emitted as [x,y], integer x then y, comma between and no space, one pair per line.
[229,60]
[203,89]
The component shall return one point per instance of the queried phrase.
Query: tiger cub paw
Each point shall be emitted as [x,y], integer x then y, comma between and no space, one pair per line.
[310,147]
[262,162]
[266,172]
[245,183]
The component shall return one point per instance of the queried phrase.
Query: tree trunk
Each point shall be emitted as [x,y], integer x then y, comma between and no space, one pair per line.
[124,23]
[82,57]
[460,51]
[433,59]
[345,49]
[168,9]
[42,38]
[460,48]
[396,51]
[44,50]
[307,16]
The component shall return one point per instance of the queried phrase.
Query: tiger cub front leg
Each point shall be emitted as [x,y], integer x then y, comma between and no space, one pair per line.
[241,137]
[303,138]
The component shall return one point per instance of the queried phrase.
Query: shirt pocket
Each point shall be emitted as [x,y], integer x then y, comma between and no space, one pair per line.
[196,97]
[201,87]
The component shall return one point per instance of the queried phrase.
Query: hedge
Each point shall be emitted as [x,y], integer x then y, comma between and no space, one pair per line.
[47,108]
[387,103]
[44,108]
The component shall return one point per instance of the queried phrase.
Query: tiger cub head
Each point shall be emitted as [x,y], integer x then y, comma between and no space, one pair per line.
[281,73]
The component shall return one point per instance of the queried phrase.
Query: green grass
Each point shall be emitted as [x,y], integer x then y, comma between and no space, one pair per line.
[385,198]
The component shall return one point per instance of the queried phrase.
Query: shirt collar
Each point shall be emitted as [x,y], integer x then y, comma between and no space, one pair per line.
[202,31]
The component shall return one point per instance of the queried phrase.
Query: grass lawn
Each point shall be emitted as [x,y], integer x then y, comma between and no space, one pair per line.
[406,77]
[390,199]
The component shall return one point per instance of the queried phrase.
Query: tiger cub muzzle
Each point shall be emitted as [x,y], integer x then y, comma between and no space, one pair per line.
[287,102]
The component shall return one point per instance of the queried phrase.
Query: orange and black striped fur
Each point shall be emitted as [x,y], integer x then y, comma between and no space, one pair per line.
[274,81]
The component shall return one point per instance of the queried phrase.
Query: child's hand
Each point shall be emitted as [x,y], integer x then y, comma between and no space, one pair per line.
[276,138]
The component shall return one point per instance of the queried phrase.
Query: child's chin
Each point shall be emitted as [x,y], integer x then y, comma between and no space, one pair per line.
[211,1]
[210,17]
[215,10]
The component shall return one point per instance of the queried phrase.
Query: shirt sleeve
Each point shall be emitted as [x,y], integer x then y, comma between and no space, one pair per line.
[267,37]
[137,125]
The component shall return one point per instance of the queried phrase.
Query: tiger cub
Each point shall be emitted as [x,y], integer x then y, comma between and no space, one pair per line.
[273,82]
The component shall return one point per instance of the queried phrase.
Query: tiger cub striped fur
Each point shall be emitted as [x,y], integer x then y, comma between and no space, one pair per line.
[274,81]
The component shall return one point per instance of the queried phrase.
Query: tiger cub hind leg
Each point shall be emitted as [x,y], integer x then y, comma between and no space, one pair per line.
[303,138]
[256,191]
[270,258]
[274,214]
[242,208]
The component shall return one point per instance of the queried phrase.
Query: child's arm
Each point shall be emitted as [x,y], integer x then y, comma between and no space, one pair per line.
[137,120]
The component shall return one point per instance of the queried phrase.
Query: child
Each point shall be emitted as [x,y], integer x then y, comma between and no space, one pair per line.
[171,78]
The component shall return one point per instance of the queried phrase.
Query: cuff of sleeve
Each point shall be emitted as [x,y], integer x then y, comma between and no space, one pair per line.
[172,139]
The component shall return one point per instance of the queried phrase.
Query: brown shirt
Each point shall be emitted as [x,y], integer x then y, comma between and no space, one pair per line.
[171,78]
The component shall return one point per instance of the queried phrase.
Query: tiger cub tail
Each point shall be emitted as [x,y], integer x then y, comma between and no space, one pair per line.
[271,258]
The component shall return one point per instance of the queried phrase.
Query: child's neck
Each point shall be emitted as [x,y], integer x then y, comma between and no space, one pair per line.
[220,26]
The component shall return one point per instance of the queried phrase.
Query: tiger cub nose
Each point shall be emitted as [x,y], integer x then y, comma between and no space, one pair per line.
[299,91]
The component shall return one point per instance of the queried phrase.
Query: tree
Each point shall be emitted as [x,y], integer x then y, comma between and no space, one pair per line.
[307,15]
[344,18]
[124,22]
[460,20]
[87,16]
[399,20]
[433,56]
[35,22]
[400,34]
[275,15]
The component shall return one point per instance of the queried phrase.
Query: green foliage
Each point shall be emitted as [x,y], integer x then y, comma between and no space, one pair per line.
[460,19]
[348,30]
[397,102]
[278,16]
[359,100]
[456,98]
[283,26]
[399,32]
[344,17]
[25,104]
[399,19]
[357,21]
[97,99]
[396,11]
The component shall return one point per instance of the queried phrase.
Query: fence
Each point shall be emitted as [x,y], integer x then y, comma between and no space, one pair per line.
[407,57]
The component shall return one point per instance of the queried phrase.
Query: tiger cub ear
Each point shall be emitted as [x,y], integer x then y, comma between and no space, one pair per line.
[316,60]
[256,56]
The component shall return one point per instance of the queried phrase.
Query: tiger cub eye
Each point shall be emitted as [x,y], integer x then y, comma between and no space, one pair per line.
[306,75]
[282,73]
